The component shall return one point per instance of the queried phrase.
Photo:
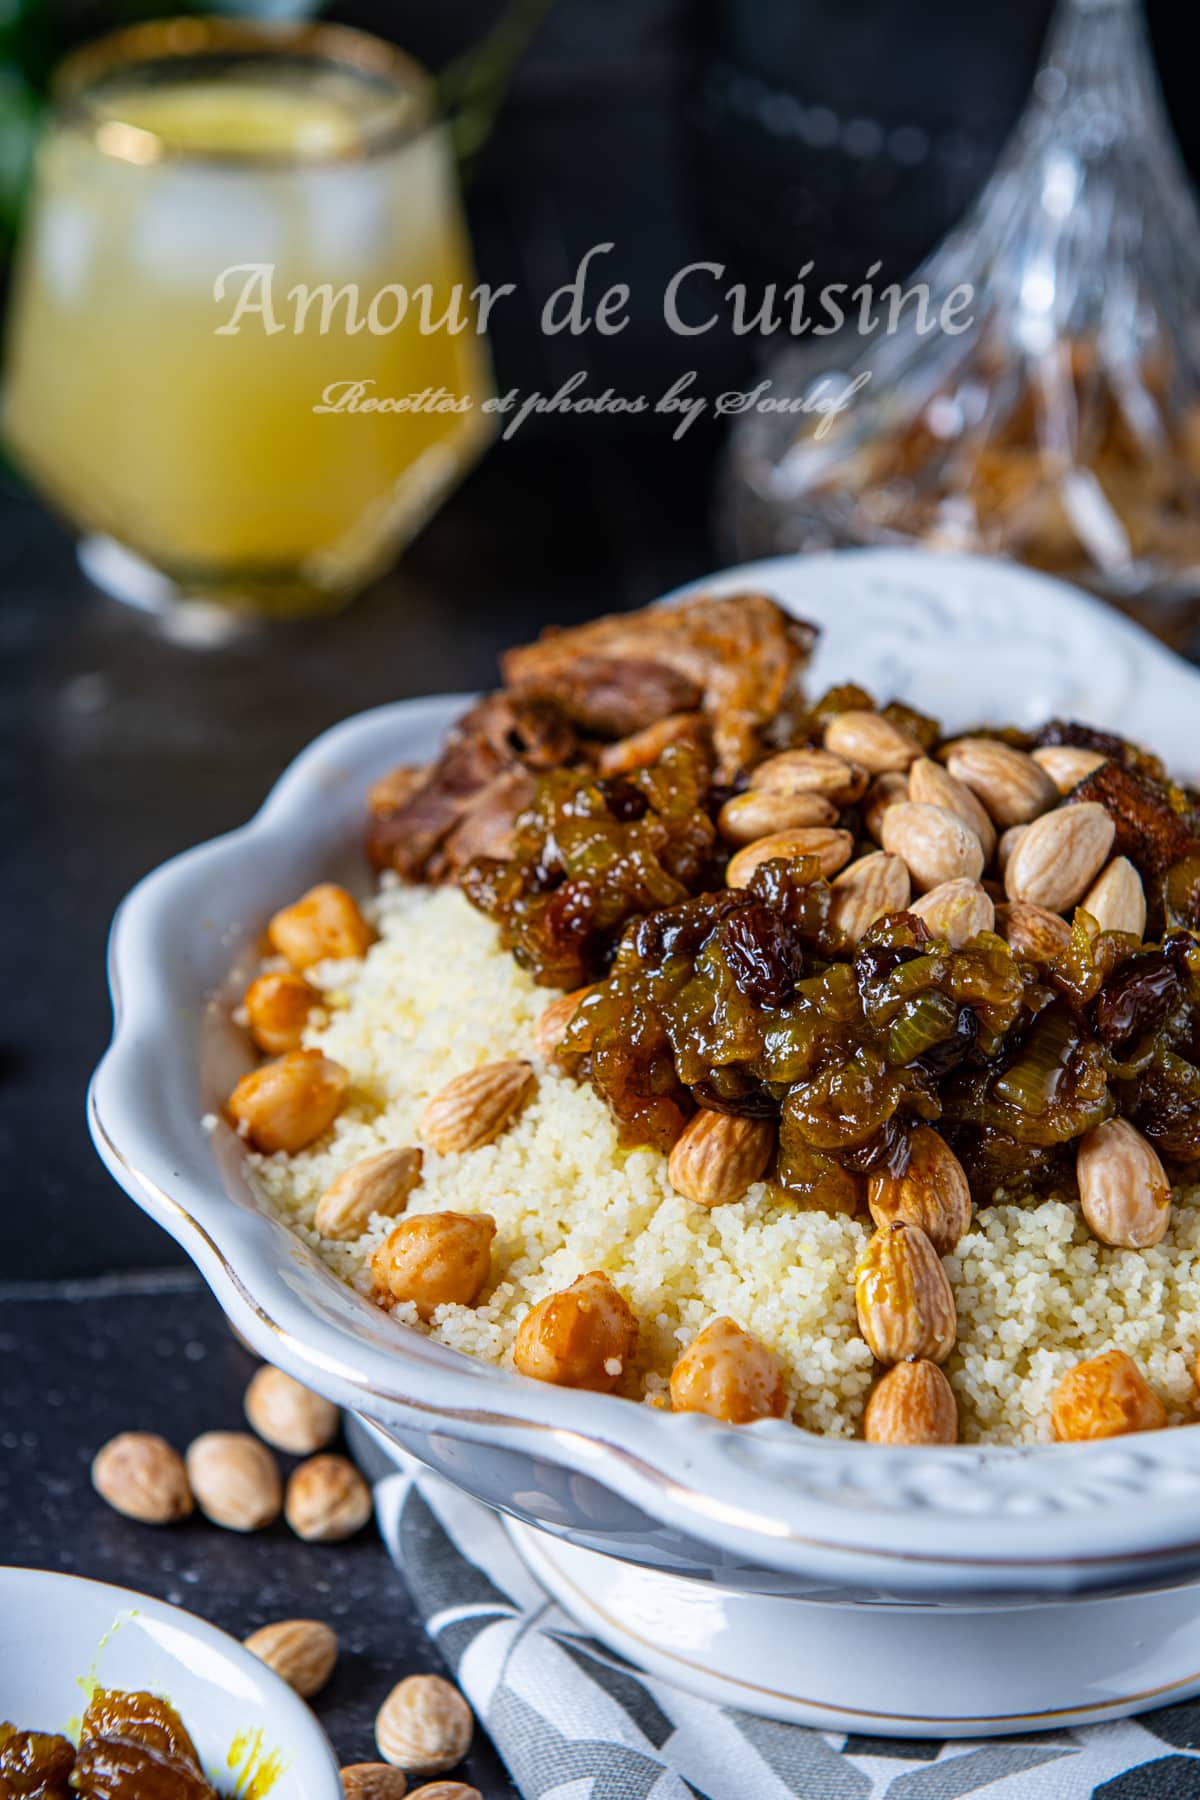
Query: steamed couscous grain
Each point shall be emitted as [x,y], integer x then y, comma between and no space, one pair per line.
[436,996]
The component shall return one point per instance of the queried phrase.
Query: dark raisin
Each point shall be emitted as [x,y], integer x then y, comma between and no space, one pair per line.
[1081,737]
[625,802]
[887,1149]
[1136,999]
[941,1058]
[762,960]
[1154,827]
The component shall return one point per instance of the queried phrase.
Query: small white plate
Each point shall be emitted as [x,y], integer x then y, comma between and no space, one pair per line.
[60,1634]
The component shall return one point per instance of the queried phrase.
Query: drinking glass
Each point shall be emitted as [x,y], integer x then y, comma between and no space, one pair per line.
[243,357]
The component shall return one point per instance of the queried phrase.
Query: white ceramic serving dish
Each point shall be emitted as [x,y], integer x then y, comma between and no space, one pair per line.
[766,1510]
[58,1634]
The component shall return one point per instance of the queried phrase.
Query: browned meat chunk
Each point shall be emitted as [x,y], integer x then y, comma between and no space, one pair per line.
[1156,824]
[737,658]
[501,734]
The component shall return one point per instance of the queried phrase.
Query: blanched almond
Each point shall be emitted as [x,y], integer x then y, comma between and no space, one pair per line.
[1057,859]
[1117,899]
[374,1184]
[933,1192]
[302,1652]
[728,1374]
[143,1477]
[884,791]
[1010,784]
[870,740]
[717,1157]
[1106,1396]
[476,1107]
[1067,765]
[1032,934]
[759,813]
[912,1404]
[830,848]
[865,891]
[932,785]
[326,1500]
[956,911]
[810,772]
[235,1480]
[1124,1193]
[905,1305]
[935,844]
[288,1415]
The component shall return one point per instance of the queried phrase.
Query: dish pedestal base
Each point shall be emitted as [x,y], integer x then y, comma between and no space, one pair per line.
[944,1671]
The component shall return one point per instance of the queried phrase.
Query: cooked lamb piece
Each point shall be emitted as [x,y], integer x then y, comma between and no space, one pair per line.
[737,658]
[737,661]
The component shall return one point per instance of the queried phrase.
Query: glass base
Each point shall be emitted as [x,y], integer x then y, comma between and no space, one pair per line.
[201,614]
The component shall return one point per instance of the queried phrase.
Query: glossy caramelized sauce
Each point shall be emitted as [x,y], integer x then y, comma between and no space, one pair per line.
[132,1746]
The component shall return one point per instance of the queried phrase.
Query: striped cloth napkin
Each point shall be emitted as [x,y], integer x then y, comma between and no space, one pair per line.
[575,1722]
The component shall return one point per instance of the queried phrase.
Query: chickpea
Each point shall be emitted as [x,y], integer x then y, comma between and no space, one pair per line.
[583,1337]
[323,923]
[436,1259]
[1105,1397]
[277,1009]
[728,1374]
[287,1104]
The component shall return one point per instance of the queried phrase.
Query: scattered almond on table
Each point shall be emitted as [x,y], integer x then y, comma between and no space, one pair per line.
[327,1500]
[287,1415]
[235,1480]
[374,1781]
[302,1652]
[424,1725]
[142,1476]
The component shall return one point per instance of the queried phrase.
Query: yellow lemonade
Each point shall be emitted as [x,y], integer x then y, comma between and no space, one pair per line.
[168,386]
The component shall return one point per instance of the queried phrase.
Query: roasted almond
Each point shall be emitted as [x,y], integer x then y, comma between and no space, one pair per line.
[1010,784]
[645,747]
[885,790]
[874,885]
[872,741]
[932,1192]
[375,1781]
[475,1108]
[424,1725]
[1117,899]
[912,1404]
[718,1156]
[1124,1193]
[1059,856]
[327,1500]
[809,771]
[932,785]
[956,910]
[905,1304]
[1106,1396]
[830,848]
[934,843]
[551,1026]
[1067,765]
[302,1652]
[759,813]
[374,1184]
[1032,934]
[1006,843]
